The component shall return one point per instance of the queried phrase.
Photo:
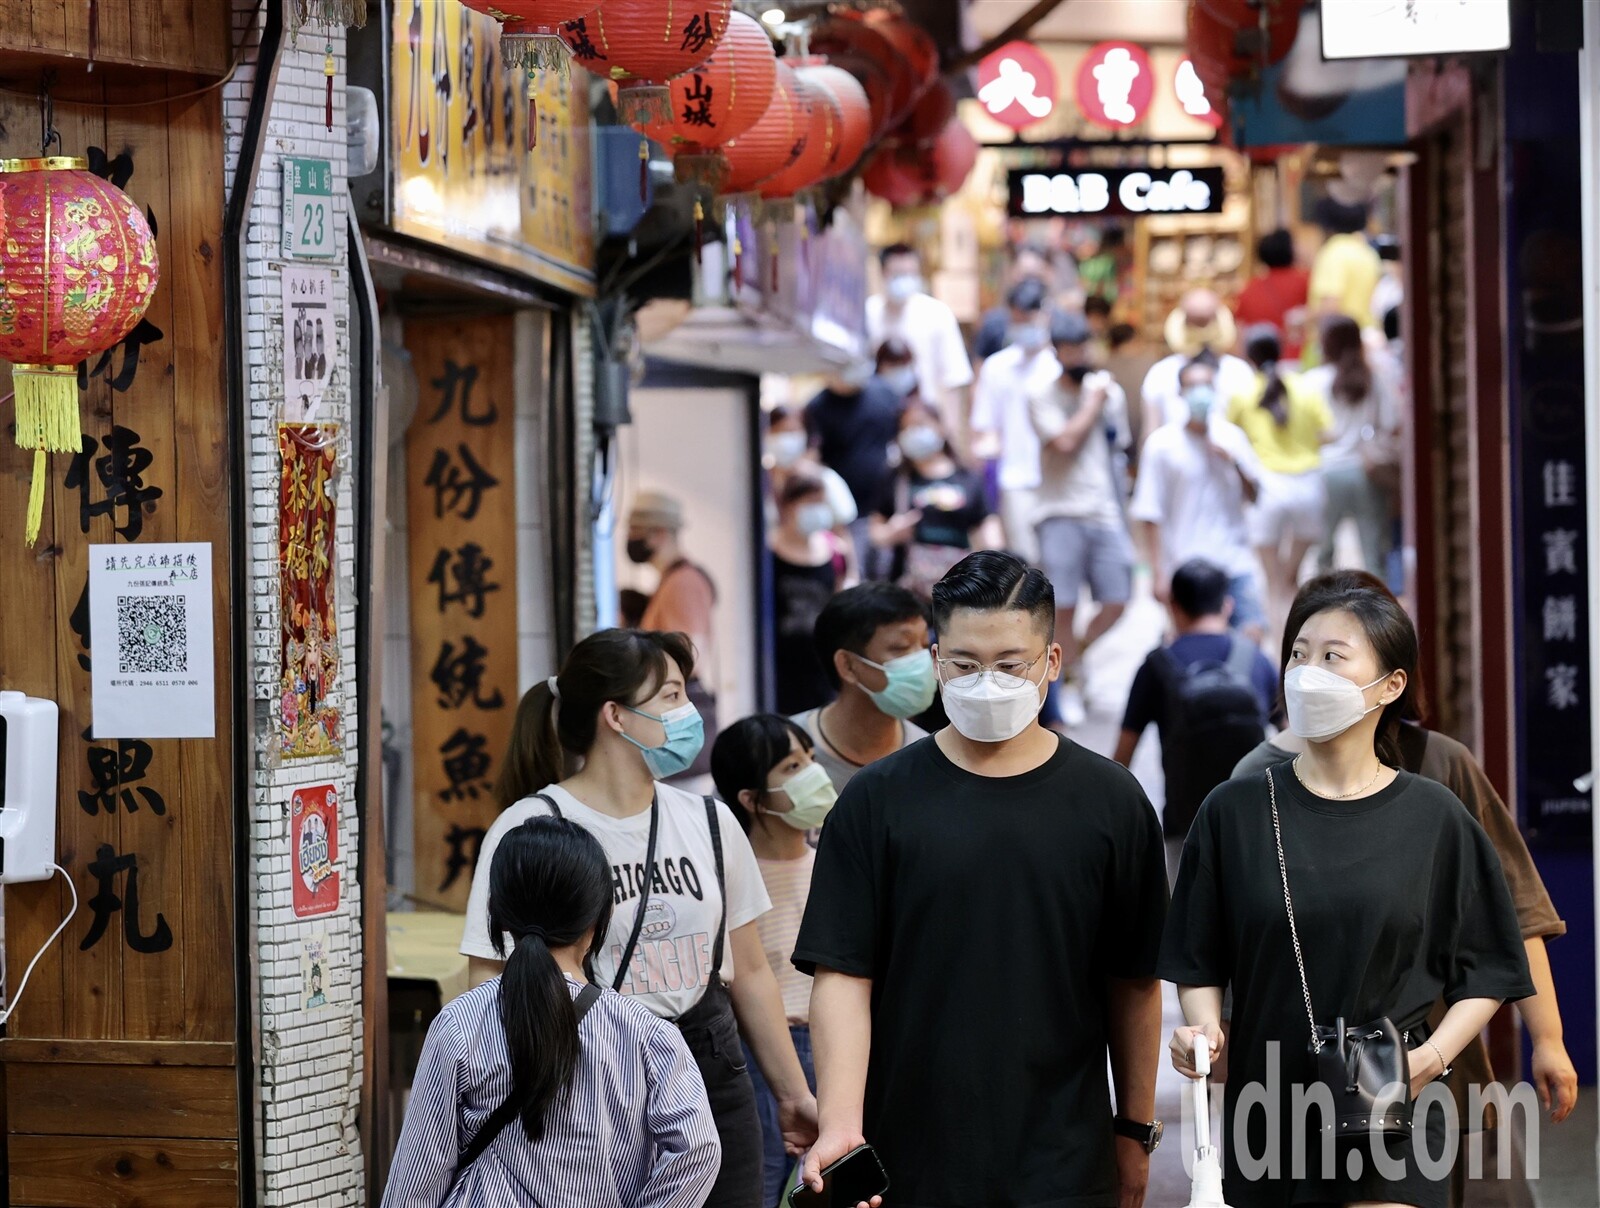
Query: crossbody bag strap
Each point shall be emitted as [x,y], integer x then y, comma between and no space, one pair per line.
[555,810]
[512,1108]
[644,894]
[722,886]
[1288,905]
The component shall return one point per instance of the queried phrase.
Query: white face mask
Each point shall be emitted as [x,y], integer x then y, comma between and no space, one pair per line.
[982,710]
[813,518]
[1322,704]
[920,441]
[786,448]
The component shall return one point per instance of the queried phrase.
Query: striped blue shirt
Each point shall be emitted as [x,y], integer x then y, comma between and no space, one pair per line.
[636,1133]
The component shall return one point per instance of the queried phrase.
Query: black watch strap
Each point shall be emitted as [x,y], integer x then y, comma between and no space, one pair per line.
[1148,1135]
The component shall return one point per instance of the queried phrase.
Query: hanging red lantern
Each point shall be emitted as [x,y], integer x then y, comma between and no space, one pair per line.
[855,113]
[78,268]
[913,45]
[720,99]
[868,55]
[530,30]
[942,168]
[641,44]
[891,175]
[932,112]
[773,143]
[820,111]
[1279,19]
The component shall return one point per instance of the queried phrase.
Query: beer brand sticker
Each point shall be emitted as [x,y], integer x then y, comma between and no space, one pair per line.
[314,836]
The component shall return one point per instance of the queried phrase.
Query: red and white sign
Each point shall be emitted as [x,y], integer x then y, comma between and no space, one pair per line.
[314,846]
[1017,85]
[1191,95]
[1115,84]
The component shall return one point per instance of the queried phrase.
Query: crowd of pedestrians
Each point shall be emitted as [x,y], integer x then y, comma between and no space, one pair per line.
[916,914]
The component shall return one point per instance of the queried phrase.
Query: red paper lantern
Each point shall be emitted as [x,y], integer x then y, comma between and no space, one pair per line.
[772,144]
[1281,19]
[855,113]
[641,44]
[78,268]
[931,113]
[892,175]
[823,119]
[530,29]
[946,165]
[867,54]
[724,96]
[913,45]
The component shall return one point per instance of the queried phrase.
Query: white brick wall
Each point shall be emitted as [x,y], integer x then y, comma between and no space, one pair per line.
[310,1064]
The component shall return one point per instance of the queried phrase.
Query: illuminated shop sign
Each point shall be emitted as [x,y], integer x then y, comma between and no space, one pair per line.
[1124,192]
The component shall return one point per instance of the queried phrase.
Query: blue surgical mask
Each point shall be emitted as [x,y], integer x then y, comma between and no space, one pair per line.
[913,681]
[902,379]
[686,734]
[903,287]
[1030,337]
[1201,399]
[814,518]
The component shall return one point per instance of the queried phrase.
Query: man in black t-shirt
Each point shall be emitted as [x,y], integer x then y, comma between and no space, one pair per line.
[852,422]
[984,917]
[1209,693]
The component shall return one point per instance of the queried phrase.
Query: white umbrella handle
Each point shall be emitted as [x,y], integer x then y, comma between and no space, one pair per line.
[1201,1056]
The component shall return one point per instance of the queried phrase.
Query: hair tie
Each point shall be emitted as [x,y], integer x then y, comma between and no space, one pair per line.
[555,688]
[535,933]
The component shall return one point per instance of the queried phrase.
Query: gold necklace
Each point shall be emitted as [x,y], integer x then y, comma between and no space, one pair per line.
[1336,796]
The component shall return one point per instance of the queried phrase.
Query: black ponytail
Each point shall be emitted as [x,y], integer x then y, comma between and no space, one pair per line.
[1265,350]
[549,886]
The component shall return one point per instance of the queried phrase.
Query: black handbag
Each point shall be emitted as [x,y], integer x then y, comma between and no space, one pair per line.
[1364,1065]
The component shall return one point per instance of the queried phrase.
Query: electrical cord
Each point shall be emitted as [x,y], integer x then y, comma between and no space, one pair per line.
[16,1000]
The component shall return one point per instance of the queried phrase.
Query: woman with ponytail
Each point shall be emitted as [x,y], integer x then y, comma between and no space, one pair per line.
[1361,462]
[593,745]
[540,1087]
[1286,424]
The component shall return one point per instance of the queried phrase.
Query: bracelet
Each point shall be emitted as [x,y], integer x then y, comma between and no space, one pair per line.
[1444,1070]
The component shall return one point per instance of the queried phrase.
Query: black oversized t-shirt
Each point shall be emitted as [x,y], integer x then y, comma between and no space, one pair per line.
[989,913]
[1399,900]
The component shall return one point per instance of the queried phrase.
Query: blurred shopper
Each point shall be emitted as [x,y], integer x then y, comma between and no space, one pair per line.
[1029,263]
[1438,757]
[1200,326]
[929,328]
[933,512]
[1001,427]
[1195,480]
[687,890]
[873,643]
[1107,260]
[786,449]
[896,368]
[684,601]
[1278,294]
[764,771]
[581,1095]
[1208,692]
[1081,420]
[851,424]
[1346,268]
[1286,421]
[1361,462]
[809,566]
[985,912]
[1370,898]
[1097,313]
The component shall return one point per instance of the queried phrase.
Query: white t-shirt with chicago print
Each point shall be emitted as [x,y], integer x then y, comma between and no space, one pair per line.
[672,964]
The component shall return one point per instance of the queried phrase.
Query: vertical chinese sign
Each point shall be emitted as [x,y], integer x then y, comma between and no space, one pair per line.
[308,709]
[461,513]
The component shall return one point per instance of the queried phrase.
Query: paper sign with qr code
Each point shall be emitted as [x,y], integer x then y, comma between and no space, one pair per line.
[152,661]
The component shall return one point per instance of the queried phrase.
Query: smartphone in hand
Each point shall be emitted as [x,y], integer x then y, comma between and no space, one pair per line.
[853,1179]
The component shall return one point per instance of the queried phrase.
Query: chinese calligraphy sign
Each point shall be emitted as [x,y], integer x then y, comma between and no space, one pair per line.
[462,556]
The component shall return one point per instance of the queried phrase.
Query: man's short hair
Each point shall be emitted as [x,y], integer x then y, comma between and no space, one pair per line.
[1337,218]
[853,617]
[995,581]
[1200,588]
[1068,327]
[895,249]
[1027,296]
[1276,249]
[1203,361]
[1097,304]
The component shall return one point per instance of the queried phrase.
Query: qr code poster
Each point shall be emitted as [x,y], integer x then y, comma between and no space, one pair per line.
[154,665]
[309,340]
[314,844]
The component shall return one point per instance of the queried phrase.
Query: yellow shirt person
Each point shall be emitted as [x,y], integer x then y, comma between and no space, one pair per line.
[1291,448]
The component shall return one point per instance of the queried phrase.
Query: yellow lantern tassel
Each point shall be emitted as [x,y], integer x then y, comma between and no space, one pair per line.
[41,476]
[47,407]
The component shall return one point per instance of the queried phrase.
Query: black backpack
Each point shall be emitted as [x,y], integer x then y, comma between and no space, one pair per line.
[1211,719]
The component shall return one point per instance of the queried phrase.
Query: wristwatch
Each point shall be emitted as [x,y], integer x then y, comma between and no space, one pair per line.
[1148,1135]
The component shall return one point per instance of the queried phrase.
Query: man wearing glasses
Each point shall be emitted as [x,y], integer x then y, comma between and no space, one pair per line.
[983,923]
